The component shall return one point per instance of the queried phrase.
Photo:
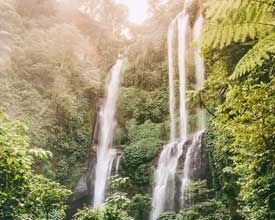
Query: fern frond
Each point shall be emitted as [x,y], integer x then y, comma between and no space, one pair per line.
[218,8]
[255,57]
[221,35]
[236,20]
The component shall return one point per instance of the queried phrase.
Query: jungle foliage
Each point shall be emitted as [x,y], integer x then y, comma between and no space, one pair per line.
[239,39]
[53,64]
[52,74]
[23,193]
[201,205]
[119,204]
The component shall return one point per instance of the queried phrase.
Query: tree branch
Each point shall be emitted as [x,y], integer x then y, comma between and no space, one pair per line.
[207,109]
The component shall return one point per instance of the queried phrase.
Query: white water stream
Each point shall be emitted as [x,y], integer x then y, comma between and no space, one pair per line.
[117,164]
[190,157]
[164,191]
[200,66]
[183,28]
[172,99]
[105,154]
[165,185]
[192,162]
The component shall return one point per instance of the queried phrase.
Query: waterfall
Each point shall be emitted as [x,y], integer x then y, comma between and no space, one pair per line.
[183,27]
[117,164]
[105,155]
[171,32]
[195,148]
[164,191]
[200,67]
[165,186]
[191,163]
[199,62]
[163,195]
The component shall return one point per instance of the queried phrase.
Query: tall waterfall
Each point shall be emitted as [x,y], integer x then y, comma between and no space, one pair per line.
[191,158]
[105,154]
[183,28]
[199,62]
[171,33]
[165,177]
[200,67]
[164,191]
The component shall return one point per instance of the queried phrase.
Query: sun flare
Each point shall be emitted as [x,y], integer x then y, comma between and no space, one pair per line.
[138,10]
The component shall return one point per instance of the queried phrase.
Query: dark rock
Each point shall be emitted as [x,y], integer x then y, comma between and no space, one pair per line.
[83,192]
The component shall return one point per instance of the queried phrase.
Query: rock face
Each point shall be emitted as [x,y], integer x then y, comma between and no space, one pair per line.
[84,189]
[199,167]
[83,192]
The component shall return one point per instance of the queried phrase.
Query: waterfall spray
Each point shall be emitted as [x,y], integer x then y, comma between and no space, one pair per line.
[163,196]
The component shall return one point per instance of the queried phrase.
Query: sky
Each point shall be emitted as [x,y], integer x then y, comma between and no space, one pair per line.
[138,10]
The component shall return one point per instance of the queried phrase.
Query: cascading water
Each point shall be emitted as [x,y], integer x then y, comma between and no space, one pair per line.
[200,67]
[106,155]
[199,62]
[164,191]
[191,163]
[183,28]
[117,164]
[195,148]
[171,32]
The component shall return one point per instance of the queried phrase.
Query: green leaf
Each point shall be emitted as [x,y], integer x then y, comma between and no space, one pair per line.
[255,57]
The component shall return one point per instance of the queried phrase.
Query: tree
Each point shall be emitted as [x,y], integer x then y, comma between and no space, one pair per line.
[47,197]
[24,194]
[203,206]
[140,206]
[116,205]
[89,214]
[15,169]
[168,216]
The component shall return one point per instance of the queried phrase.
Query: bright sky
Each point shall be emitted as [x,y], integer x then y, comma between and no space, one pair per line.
[138,10]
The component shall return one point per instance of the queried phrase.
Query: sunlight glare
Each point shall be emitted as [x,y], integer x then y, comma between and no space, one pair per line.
[138,10]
